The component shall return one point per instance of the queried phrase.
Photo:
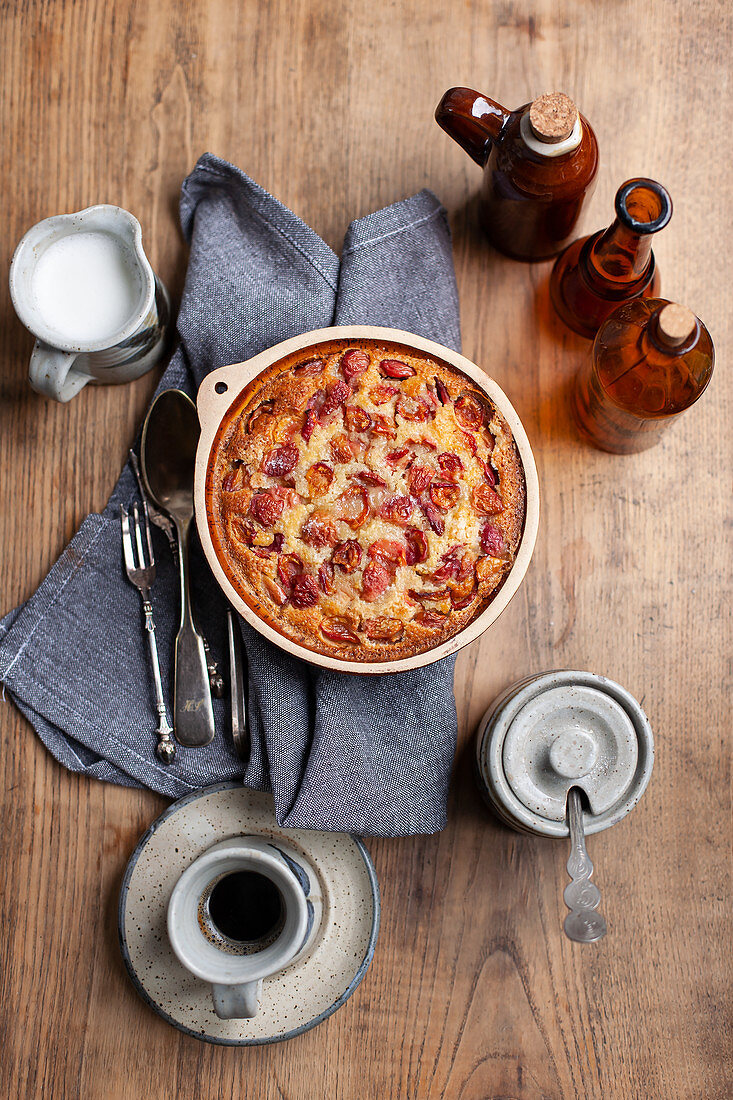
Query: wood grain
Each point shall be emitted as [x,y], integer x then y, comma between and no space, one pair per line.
[474,992]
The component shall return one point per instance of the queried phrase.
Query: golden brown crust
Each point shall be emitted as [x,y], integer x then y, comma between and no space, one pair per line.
[367,500]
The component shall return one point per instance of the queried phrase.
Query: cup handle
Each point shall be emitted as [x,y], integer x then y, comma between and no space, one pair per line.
[236,1002]
[471,119]
[51,372]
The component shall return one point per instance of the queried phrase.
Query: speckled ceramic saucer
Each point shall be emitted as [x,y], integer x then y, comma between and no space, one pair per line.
[316,984]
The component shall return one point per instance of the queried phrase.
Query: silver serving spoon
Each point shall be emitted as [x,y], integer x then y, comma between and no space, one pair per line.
[167,457]
[582,897]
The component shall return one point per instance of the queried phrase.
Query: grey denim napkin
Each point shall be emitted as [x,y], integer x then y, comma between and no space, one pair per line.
[370,755]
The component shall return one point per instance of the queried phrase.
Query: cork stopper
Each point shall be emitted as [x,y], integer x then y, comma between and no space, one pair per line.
[675,324]
[552,117]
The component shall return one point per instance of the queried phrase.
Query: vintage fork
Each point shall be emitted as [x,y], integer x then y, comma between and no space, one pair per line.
[140,570]
[157,517]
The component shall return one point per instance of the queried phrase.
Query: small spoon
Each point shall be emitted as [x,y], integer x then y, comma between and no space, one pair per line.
[582,896]
[167,457]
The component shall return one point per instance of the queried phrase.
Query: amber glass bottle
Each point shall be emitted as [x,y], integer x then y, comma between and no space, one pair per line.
[540,165]
[597,273]
[651,360]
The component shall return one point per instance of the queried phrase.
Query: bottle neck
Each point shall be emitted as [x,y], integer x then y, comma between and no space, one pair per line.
[672,343]
[620,255]
[547,149]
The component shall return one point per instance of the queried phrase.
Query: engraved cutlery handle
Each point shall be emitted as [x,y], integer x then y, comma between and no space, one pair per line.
[581,896]
[165,749]
[193,714]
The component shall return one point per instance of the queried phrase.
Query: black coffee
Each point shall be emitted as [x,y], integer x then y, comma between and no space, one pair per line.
[245,906]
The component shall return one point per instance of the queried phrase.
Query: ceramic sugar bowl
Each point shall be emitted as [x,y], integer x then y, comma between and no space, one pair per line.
[549,733]
[562,754]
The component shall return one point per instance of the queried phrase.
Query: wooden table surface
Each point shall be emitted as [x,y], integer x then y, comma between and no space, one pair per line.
[474,992]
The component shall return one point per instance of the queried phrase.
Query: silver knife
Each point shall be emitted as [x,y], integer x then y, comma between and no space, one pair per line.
[238,689]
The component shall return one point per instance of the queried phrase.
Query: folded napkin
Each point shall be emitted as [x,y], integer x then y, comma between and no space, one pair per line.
[370,755]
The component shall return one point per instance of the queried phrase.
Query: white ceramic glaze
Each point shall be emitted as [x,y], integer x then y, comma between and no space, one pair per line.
[61,364]
[569,735]
[236,978]
[318,980]
[563,729]
[220,389]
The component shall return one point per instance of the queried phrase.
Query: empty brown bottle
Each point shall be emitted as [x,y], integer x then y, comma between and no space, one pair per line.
[540,164]
[597,273]
[651,360]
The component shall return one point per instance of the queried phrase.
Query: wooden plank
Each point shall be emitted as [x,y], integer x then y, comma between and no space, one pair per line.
[474,992]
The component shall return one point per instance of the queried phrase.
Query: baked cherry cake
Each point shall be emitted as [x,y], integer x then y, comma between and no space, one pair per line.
[366,500]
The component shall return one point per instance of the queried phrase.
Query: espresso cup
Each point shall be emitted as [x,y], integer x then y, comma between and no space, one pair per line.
[83,286]
[238,914]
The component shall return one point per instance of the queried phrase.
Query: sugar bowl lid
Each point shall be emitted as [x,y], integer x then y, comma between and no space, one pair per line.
[560,730]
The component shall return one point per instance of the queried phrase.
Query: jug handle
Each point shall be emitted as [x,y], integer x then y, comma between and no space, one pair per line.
[471,119]
[52,373]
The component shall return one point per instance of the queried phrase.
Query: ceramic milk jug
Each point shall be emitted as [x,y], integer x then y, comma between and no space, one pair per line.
[82,284]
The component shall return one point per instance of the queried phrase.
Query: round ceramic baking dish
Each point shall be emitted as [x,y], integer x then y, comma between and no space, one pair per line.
[222,388]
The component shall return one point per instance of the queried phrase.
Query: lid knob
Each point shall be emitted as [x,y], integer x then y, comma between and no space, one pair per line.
[573,754]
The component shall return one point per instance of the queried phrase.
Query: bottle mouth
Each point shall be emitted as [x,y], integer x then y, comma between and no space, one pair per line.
[643,205]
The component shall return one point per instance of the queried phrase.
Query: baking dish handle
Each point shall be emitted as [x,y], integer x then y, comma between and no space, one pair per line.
[216,393]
